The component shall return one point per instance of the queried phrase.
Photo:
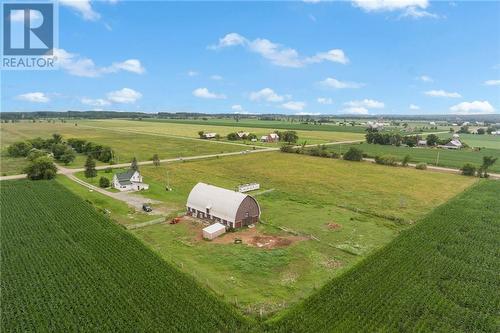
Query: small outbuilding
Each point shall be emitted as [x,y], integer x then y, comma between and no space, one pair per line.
[229,208]
[271,137]
[213,231]
[209,136]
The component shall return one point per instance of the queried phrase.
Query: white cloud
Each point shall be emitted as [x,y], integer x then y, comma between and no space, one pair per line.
[216,77]
[356,110]
[476,107]
[77,65]
[336,84]
[366,103]
[34,97]
[425,78]
[266,94]
[131,65]
[237,108]
[205,93]
[192,73]
[492,83]
[83,7]
[389,5]
[416,13]
[294,106]
[278,54]
[125,95]
[95,102]
[414,107]
[324,100]
[442,93]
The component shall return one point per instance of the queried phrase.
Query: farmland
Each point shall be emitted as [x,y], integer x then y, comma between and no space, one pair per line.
[440,276]
[331,192]
[480,141]
[65,267]
[447,158]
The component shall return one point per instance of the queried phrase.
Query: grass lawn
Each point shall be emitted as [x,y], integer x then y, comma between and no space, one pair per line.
[12,165]
[480,141]
[440,276]
[310,194]
[447,158]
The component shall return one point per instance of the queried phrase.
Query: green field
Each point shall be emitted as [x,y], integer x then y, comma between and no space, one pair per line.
[480,141]
[125,144]
[447,158]
[440,276]
[66,268]
[331,191]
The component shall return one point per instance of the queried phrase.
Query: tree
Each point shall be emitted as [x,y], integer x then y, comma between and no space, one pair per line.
[432,139]
[406,160]
[35,153]
[487,162]
[464,130]
[41,168]
[252,136]
[134,165]
[233,136]
[58,149]
[19,149]
[90,171]
[68,156]
[104,182]
[481,131]
[217,136]
[56,138]
[156,160]
[289,136]
[200,134]
[353,154]
[468,170]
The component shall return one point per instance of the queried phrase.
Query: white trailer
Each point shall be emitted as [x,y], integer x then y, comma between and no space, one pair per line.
[213,231]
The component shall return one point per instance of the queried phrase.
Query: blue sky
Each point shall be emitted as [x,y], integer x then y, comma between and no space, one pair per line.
[375,57]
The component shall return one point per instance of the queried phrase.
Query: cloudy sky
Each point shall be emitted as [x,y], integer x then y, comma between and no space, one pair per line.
[311,57]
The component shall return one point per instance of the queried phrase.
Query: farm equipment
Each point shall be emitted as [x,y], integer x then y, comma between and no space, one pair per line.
[175,220]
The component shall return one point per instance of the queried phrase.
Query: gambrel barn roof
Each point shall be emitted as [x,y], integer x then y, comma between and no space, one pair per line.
[221,202]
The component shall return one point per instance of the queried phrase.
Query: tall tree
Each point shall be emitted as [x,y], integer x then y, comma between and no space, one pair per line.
[90,171]
[41,168]
[134,166]
[156,160]
[57,138]
[487,162]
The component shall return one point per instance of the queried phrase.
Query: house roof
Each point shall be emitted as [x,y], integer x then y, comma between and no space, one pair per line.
[222,203]
[214,228]
[124,176]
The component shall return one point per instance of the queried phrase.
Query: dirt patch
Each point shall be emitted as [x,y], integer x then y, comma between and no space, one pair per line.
[252,237]
[333,226]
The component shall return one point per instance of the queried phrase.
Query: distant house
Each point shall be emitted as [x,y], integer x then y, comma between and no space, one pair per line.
[230,208]
[495,133]
[453,144]
[129,181]
[422,143]
[271,137]
[209,135]
[243,135]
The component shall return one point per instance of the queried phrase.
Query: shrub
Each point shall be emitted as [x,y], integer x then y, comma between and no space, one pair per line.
[104,182]
[233,136]
[421,166]
[41,168]
[353,154]
[468,170]
[19,149]
[406,160]
[287,149]
[335,155]
[386,160]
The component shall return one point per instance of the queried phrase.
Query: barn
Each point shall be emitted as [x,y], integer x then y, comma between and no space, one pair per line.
[230,208]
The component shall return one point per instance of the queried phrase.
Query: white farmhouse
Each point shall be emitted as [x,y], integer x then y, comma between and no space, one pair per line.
[129,181]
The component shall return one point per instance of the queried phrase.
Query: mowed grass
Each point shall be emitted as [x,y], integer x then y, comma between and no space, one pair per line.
[440,276]
[192,129]
[432,156]
[125,145]
[66,268]
[371,203]
[479,141]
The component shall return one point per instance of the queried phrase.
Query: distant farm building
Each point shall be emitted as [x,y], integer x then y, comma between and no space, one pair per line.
[248,187]
[213,231]
[209,135]
[243,135]
[230,208]
[454,143]
[129,181]
[422,143]
[271,137]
